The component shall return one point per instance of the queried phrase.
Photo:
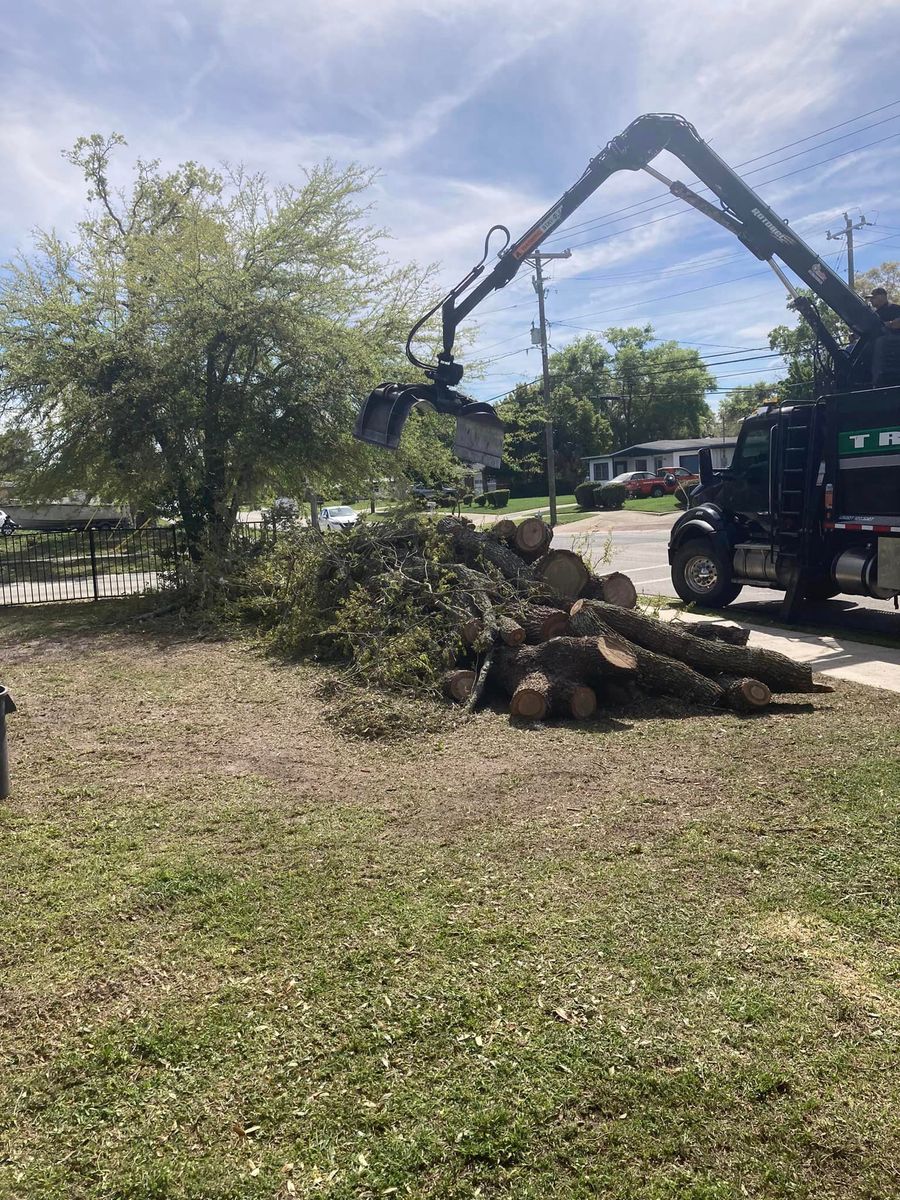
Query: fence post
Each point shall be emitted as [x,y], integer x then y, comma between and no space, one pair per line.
[174,529]
[93,549]
[6,706]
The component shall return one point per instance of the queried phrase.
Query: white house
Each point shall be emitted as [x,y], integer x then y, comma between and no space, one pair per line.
[656,456]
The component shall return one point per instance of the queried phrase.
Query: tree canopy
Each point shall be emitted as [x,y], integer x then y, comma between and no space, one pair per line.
[203,337]
[741,402]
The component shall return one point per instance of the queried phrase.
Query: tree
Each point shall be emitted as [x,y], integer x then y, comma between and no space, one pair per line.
[797,345]
[886,276]
[579,430]
[204,337]
[741,402]
[654,391]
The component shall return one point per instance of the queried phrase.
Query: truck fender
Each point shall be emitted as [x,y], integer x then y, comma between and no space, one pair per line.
[699,523]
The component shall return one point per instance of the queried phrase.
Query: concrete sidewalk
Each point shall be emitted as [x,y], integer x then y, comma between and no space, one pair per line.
[834,656]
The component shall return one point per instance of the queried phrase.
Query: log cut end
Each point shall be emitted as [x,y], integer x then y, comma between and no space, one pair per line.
[458,685]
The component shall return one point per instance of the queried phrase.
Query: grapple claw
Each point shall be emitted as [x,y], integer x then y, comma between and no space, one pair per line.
[479,431]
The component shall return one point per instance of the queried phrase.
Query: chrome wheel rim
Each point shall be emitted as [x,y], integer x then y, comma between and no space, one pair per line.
[702,574]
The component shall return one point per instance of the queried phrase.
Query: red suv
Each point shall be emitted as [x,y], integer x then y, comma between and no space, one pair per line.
[664,482]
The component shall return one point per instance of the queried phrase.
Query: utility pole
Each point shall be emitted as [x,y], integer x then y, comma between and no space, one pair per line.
[538,283]
[847,232]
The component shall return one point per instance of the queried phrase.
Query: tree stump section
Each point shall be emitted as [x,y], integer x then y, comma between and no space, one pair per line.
[542,623]
[744,695]
[563,571]
[531,538]
[503,531]
[614,588]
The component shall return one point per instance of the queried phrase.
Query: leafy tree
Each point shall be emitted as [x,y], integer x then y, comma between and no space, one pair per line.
[578,430]
[205,336]
[654,391]
[797,345]
[741,402]
[886,276]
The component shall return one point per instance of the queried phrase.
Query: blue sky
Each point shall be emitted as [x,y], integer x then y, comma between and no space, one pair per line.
[484,111]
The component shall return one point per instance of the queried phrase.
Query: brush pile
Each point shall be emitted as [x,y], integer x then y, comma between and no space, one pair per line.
[421,605]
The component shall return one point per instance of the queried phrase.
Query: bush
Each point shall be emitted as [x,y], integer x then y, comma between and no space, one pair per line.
[467,499]
[481,500]
[500,498]
[610,495]
[584,494]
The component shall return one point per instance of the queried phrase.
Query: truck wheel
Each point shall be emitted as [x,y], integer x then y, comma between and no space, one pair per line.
[657,491]
[702,575]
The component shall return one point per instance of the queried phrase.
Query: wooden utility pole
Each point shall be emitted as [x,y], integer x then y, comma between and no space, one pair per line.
[538,282]
[847,232]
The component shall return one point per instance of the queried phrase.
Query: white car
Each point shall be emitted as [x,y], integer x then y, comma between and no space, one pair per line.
[340,516]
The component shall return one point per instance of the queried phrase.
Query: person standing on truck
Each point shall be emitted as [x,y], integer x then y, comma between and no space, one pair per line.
[886,309]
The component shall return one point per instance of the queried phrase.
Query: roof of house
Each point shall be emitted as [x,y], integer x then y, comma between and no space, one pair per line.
[667,447]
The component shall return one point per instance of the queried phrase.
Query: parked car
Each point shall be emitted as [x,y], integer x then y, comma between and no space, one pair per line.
[665,482]
[7,524]
[338,516]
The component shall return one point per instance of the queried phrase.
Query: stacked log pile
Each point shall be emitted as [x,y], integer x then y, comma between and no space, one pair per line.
[415,605]
[577,640]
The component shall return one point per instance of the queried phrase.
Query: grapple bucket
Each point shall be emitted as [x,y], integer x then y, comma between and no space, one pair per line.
[479,431]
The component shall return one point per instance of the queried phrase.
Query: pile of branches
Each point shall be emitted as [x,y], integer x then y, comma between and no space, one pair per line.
[420,605]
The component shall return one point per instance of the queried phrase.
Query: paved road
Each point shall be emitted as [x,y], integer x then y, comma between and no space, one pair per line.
[129,583]
[641,554]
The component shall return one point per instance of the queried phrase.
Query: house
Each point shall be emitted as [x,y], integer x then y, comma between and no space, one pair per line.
[653,456]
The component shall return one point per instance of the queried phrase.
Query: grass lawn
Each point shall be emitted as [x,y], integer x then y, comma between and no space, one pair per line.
[246,956]
[661,504]
[523,504]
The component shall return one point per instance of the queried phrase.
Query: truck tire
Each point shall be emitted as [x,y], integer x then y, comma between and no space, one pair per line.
[701,574]
[657,491]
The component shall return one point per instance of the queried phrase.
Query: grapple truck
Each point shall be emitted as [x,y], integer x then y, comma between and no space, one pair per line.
[811,501]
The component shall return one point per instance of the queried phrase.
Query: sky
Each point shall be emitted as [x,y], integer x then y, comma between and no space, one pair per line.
[485,111]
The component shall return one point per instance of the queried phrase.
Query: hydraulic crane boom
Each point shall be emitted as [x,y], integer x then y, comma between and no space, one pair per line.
[739,210]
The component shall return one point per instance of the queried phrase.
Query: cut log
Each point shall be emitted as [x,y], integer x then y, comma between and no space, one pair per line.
[744,695]
[531,699]
[504,530]
[777,671]
[542,623]
[656,673]
[714,631]
[574,700]
[615,588]
[511,632]
[563,571]
[564,662]
[458,685]
[532,538]
[474,547]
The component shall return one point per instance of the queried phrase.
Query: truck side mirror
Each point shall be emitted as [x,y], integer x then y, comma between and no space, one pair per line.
[706,470]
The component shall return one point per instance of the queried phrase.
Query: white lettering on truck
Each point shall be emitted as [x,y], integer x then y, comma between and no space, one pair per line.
[889,439]
[859,440]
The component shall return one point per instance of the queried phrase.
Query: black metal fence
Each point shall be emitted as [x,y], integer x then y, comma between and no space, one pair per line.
[95,564]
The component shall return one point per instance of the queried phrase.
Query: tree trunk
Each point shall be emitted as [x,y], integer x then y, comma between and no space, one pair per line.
[655,673]
[564,571]
[564,661]
[715,631]
[542,623]
[531,538]
[615,588]
[768,666]
[511,632]
[539,695]
[458,685]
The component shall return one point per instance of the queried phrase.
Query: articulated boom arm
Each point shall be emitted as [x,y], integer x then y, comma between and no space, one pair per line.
[739,210]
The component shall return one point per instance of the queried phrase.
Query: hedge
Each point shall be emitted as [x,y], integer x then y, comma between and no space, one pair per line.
[610,495]
[584,495]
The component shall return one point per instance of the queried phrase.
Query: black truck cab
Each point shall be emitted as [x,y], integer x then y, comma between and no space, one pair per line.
[810,505]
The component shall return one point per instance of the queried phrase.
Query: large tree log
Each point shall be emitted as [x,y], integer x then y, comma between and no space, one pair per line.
[563,571]
[564,660]
[538,695]
[532,538]
[714,631]
[655,673]
[542,623]
[614,588]
[474,547]
[511,632]
[780,673]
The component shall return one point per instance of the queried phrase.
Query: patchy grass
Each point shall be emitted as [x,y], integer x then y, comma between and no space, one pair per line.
[245,956]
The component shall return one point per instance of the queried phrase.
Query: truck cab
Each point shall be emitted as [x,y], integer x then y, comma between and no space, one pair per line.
[810,505]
